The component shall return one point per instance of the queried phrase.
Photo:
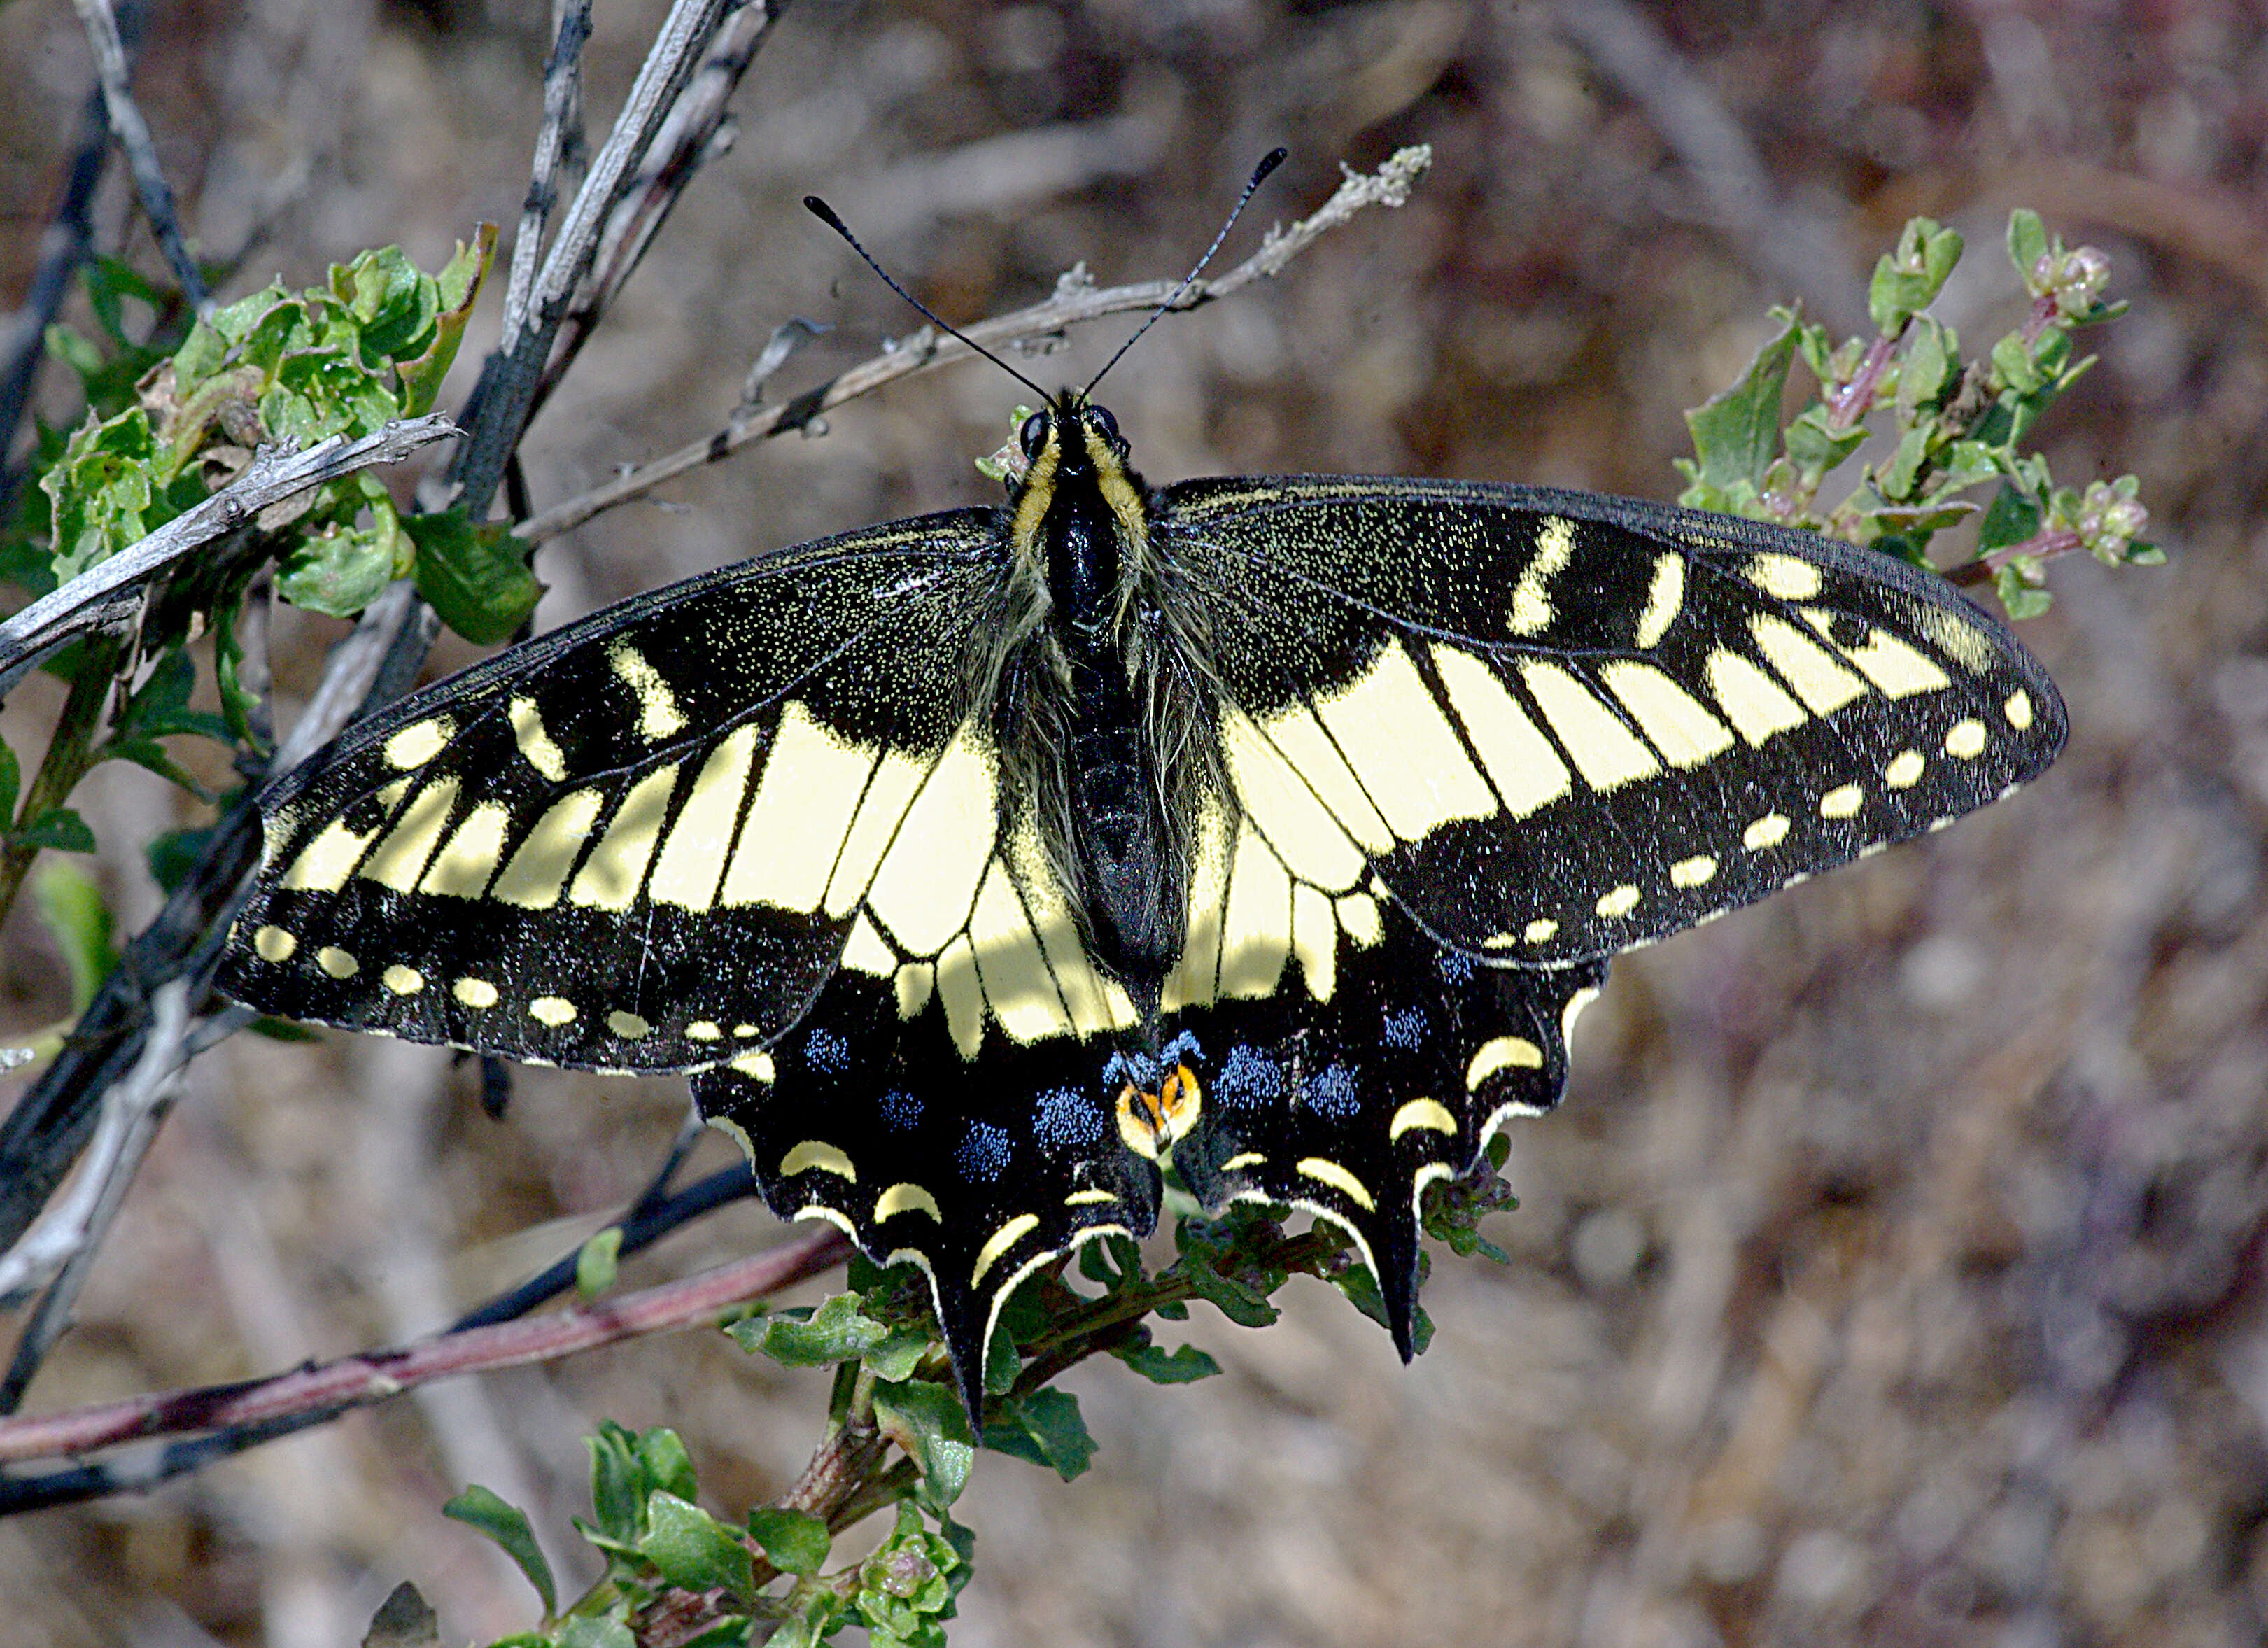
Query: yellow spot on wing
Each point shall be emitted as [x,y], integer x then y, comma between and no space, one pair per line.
[811,785]
[402,980]
[1619,902]
[692,861]
[1090,1198]
[2019,710]
[475,992]
[963,994]
[396,860]
[814,1153]
[1531,599]
[1819,680]
[551,1010]
[1768,831]
[1904,769]
[1784,576]
[755,1064]
[1686,734]
[1359,915]
[1698,870]
[865,953]
[906,1198]
[1889,663]
[1750,699]
[463,866]
[537,871]
[1399,744]
[420,742]
[1607,754]
[1663,599]
[1844,801]
[1964,739]
[1315,939]
[659,716]
[1430,1113]
[628,1026]
[324,865]
[337,963]
[534,743]
[1501,1053]
[273,944]
[1323,1170]
[1520,763]
[1541,928]
[1962,641]
[1244,1159]
[609,876]
[704,1030]
[1013,970]
[927,882]
[917,981]
[1000,1240]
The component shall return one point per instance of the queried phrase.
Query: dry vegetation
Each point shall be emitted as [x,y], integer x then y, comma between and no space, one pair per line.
[1892,1272]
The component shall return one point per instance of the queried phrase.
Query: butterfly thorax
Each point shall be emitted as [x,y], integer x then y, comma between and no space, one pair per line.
[1082,515]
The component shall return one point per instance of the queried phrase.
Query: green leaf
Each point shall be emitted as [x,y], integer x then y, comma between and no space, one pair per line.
[2028,246]
[1045,1428]
[837,1331]
[458,287]
[1898,475]
[482,1508]
[320,393]
[394,302]
[99,491]
[2011,518]
[796,1541]
[1736,433]
[895,1358]
[12,779]
[1814,444]
[58,828]
[1245,1305]
[72,910]
[1908,280]
[1183,1365]
[476,577]
[2020,598]
[693,1550]
[587,1632]
[927,1423]
[596,1262]
[1931,363]
[662,1456]
[618,1480]
[1361,1289]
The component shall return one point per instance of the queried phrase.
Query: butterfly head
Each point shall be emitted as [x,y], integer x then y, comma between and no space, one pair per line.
[1075,466]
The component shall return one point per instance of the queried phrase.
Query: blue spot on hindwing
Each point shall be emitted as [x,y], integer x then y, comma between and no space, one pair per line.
[1247,1079]
[1332,1093]
[982,1154]
[1453,967]
[902,1110]
[1065,1122]
[1406,1029]
[826,1052]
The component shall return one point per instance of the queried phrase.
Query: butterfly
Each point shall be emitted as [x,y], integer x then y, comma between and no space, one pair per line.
[979,867]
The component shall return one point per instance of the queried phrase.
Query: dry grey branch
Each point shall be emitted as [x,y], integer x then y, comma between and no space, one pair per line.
[562,94]
[64,245]
[133,133]
[102,596]
[1073,303]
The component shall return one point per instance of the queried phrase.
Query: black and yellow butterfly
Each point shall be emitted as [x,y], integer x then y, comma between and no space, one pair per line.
[975,865]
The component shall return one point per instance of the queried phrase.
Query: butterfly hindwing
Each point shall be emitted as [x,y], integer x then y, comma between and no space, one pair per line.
[629,844]
[1557,725]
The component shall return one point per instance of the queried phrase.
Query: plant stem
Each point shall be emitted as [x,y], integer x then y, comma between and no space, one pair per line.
[70,753]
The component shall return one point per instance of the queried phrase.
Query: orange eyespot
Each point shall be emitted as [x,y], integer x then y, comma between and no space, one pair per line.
[1149,1122]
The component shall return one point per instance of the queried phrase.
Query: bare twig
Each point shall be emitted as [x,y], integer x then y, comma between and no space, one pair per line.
[64,246]
[374,1376]
[103,596]
[562,76]
[60,1248]
[1786,244]
[1073,303]
[133,133]
[693,132]
[508,383]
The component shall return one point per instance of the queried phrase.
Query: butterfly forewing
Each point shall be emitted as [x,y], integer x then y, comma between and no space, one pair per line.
[1554,726]
[628,845]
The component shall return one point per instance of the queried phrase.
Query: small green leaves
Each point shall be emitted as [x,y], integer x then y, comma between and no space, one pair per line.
[1908,280]
[1183,1365]
[693,1550]
[1044,1428]
[1957,422]
[596,1262]
[71,908]
[796,1542]
[507,1525]
[906,1588]
[58,828]
[926,1422]
[837,1331]
[476,577]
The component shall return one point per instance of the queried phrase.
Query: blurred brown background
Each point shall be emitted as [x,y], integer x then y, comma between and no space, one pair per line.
[1892,1272]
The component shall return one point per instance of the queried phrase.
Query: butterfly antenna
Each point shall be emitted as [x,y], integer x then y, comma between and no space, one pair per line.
[825,213]
[1269,162]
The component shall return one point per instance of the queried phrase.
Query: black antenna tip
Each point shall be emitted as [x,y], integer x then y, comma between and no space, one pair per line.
[1269,162]
[825,213]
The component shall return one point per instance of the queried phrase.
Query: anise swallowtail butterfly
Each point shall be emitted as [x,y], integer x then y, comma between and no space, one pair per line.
[974,865]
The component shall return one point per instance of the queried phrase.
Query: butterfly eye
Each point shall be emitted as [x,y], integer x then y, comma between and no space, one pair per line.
[1107,423]
[1034,435]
